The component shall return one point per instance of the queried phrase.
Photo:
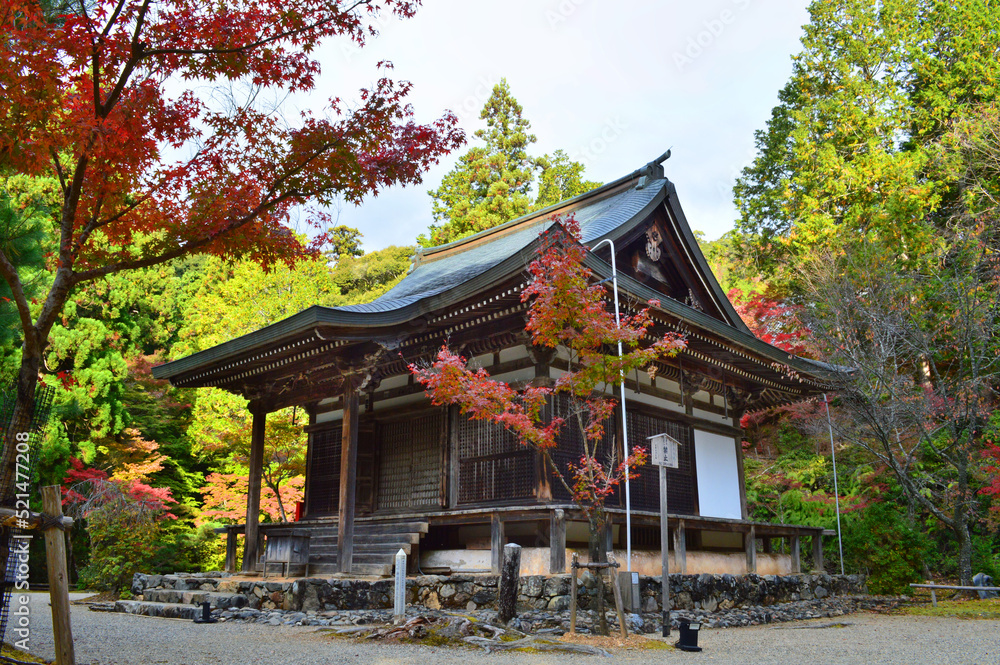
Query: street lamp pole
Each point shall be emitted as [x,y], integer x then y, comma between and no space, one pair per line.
[621,373]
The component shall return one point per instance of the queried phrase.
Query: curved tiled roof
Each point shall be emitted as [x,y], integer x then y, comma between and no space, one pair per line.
[441,276]
[443,268]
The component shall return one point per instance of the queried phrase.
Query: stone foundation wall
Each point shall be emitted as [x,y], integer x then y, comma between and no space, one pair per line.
[537,592]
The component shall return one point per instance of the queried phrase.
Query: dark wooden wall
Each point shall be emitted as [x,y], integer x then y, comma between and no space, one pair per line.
[402,463]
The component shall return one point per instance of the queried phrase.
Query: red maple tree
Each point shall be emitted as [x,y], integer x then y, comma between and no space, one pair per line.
[568,312]
[109,99]
[772,320]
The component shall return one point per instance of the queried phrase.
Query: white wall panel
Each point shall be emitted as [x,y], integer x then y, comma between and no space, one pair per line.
[718,475]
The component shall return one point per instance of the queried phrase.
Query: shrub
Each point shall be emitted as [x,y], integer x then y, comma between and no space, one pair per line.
[881,543]
[123,522]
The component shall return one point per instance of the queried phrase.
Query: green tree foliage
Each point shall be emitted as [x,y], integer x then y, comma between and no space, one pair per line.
[236,298]
[344,241]
[492,183]
[872,203]
[560,179]
[221,427]
[364,278]
[857,148]
[25,223]
[884,545]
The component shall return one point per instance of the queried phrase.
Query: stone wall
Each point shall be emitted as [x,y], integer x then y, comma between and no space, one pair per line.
[537,592]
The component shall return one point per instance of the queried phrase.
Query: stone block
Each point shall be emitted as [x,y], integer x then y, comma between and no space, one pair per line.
[484,597]
[556,586]
[532,585]
[558,603]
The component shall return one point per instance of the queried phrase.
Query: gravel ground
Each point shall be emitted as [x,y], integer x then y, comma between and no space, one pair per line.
[856,639]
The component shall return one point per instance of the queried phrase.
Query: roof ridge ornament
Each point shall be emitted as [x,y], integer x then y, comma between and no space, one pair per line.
[653,170]
[418,255]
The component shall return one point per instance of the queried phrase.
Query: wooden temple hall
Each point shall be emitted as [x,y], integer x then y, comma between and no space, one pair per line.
[386,469]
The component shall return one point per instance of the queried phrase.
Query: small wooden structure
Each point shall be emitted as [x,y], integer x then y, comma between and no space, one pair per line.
[387,470]
[287,547]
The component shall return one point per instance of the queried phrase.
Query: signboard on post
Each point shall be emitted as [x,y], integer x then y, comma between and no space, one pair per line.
[664,454]
[663,449]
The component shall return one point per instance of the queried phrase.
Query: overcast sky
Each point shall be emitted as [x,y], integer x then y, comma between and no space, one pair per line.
[613,83]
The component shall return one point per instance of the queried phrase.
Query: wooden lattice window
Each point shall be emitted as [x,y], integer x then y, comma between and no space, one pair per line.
[645,490]
[323,496]
[570,447]
[411,451]
[493,465]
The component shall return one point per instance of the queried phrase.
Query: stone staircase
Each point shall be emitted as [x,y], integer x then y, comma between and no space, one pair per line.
[181,596]
[375,546]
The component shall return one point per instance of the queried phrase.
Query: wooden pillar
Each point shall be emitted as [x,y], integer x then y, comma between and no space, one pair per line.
[231,550]
[348,480]
[55,558]
[496,543]
[818,550]
[251,551]
[796,556]
[507,587]
[766,544]
[557,542]
[741,474]
[680,548]
[453,456]
[751,547]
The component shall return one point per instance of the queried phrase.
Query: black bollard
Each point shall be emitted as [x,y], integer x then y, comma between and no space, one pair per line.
[206,614]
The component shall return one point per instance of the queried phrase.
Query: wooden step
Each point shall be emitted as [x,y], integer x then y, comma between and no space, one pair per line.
[363,557]
[368,528]
[366,569]
[412,538]
[388,548]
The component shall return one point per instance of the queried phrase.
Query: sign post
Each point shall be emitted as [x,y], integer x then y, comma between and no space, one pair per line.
[664,453]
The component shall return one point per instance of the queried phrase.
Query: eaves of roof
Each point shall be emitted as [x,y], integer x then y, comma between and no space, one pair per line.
[416,296]
[699,319]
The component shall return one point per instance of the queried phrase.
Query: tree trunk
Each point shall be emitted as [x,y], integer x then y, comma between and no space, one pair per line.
[597,555]
[20,422]
[24,406]
[961,530]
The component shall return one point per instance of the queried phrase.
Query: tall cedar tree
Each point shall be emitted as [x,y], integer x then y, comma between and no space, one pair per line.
[568,313]
[492,184]
[857,147]
[104,99]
